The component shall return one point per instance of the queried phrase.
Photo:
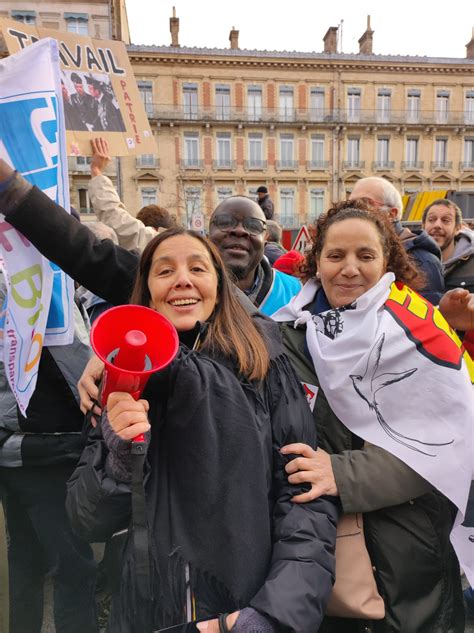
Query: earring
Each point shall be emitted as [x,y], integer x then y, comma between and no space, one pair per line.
[318,275]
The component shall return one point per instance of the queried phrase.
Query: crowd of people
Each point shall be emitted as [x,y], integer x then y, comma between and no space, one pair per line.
[291,402]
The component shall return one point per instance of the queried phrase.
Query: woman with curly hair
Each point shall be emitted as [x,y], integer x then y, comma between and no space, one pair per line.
[365,344]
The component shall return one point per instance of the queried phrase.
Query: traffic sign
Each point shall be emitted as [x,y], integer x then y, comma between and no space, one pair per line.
[302,240]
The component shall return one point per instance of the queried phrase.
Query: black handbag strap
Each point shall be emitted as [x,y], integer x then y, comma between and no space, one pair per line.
[141,538]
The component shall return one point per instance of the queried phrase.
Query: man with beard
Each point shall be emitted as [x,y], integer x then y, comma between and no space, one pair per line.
[237,228]
[442,220]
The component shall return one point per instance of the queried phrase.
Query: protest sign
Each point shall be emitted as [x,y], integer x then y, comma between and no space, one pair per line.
[99,90]
[38,307]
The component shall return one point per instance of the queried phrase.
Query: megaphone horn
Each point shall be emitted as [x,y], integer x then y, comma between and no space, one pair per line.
[131,355]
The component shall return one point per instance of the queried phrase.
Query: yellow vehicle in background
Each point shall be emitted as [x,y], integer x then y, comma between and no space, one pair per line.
[416,203]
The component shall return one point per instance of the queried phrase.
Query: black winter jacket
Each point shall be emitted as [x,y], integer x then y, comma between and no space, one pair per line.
[426,255]
[303,537]
[266,205]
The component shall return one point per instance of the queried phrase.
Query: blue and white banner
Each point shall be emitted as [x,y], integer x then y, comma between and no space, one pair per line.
[39,303]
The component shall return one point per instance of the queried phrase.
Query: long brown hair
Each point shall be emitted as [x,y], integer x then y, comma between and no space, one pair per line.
[232,333]
[397,259]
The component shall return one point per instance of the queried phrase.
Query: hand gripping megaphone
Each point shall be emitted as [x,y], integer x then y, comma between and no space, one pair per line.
[133,342]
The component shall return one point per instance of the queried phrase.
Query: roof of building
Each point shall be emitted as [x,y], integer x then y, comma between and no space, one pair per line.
[230,52]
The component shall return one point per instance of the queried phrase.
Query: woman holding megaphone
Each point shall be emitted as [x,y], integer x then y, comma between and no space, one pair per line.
[225,538]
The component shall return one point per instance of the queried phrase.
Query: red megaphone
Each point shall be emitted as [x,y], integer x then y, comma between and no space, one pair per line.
[133,342]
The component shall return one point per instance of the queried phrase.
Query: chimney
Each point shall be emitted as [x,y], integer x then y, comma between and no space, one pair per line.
[234,39]
[470,47]
[366,41]
[174,29]
[330,40]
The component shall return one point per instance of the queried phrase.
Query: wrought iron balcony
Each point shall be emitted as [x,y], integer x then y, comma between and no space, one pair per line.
[383,165]
[466,165]
[295,116]
[412,165]
[317,165]
[353,164]
[255,165]
[441,165]
[285,165]
[191,163]
[224,164]
[147,161]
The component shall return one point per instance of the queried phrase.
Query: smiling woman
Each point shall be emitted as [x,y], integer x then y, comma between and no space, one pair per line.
[219,507]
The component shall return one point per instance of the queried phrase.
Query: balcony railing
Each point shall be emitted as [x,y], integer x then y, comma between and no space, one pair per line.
[412,165]
[163,112]
[191,163]
[255,164]
[317,165]
[283,165]
[466,165]
[223,164]
[441,165]
[147,163]
[79,165]
[383,165]
[353,164]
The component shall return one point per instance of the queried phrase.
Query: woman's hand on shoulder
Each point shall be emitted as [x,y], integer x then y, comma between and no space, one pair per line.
[212,626]
[313,467]
[127,417]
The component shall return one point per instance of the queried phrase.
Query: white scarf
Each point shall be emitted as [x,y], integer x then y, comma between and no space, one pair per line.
[395,374]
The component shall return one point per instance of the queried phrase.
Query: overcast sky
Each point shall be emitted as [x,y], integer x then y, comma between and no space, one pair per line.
[403,27]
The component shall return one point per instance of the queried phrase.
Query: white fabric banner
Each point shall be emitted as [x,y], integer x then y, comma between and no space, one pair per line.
[397,376]
[38,308]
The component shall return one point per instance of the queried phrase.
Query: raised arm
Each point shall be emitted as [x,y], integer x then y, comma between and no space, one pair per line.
[102,267]
[108,207]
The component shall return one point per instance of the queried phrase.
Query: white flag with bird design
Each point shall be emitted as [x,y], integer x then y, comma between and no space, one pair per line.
[396,375]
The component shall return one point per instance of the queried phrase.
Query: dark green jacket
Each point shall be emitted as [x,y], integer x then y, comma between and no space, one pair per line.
[406,522]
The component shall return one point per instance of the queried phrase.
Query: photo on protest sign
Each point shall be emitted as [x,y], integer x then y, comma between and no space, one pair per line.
[100,93]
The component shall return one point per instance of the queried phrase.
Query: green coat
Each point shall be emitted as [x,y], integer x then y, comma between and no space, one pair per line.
[406,522]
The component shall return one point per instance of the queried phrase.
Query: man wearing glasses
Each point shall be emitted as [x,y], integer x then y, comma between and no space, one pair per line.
[237,228]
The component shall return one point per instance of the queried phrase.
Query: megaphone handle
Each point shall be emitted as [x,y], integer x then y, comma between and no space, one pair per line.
[139,438]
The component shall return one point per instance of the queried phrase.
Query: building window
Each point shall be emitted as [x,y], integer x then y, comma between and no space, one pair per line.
[413,106]
[469,152]
[286,103]
[353,154]
[145,88]
[254,103]
[469,107]
[316,204]
[149,195]
[441,152]
[287,208]
[84,202]
[224,150]
[353,104]
[223,193]
[193,202]
[317,150]
[252,193]
[411,153]
[442,106]
[77,23]
[146,160]
[190,101]
[27,17]
[317,104]
[223,102]
[383,105]
[255,151]
[191,149]
[383,152]
[286,150]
